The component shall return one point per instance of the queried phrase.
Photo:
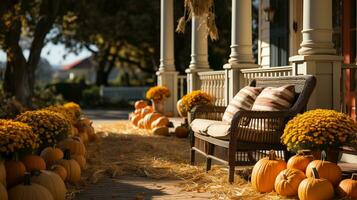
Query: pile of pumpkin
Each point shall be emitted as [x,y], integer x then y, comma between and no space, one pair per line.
[302,176]
[42,174]
[144,117]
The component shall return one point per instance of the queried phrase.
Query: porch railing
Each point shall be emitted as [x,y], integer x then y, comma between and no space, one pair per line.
[182,86]
[250,74]
[213,82]
[349,89]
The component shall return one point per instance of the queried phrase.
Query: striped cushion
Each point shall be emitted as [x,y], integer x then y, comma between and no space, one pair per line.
[275,98]
[243,100]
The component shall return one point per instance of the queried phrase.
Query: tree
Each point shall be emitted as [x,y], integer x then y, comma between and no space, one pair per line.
[31,19]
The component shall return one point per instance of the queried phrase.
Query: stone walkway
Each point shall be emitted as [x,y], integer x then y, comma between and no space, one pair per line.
[132,187]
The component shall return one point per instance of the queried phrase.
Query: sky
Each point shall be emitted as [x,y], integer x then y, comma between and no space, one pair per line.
[54,54]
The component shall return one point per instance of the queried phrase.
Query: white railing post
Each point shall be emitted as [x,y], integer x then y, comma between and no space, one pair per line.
[167,74]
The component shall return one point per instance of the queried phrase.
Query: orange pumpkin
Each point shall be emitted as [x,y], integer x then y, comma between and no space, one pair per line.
[300,160]
[145,111]
[315,188]
[81,160]
[72,167]
[265,172]
[15,172]
[137,112]
[74,145]
[287,182]
[51,155]
[348,187]
[149,118]
[162,131]
[326,169]
[141,123]
[181,131]
[135,119]
[60,170]
[160,122]
[33,162]
[140,104]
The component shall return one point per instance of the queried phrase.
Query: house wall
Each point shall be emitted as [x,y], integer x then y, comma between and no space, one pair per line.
[295,19]
[263,43]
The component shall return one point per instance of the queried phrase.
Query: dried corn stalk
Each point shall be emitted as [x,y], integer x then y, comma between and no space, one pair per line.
[199,8]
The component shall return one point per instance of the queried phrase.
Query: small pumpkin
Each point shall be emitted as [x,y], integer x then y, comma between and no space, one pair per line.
[2,173]
[72,167]
[135,119]
[160,122]
[265,172]
[287,182]
[140,104]
[137,111]
[180,108]
[74,144]
[29,191]
[51,155]
[84,137]
[163,131]
[326,169]
[181,131]
[300,161]
[315,188]
[33,162]
[60,171]
[141,123]
[74,130]
[15,171]
[52,182]
[3,192]
[348,187]
[81,160]
[145,111]
[149,118]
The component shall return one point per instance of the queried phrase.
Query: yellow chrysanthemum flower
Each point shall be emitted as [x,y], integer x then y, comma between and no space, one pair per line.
[158,93]
[195,98]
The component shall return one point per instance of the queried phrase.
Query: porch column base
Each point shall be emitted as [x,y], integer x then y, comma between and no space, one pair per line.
[234,78]
[169,80]
[327,70]
[193,80]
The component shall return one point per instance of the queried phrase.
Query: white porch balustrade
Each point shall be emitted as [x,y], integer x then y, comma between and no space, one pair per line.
[213,82]
[250,74]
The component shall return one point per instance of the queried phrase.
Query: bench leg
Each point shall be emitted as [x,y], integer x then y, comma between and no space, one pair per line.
[193,156]
[208,159]
[231,173]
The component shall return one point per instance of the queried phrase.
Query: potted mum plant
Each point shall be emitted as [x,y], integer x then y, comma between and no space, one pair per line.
[192,99]
[158,95]
[320,130]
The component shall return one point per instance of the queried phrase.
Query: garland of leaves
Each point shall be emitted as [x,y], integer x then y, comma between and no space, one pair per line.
[199,8]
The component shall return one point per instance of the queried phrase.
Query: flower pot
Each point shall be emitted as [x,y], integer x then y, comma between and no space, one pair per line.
[332,155]
[180,109]
[158,106]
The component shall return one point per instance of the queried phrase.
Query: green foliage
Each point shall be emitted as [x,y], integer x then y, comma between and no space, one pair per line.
[46,96]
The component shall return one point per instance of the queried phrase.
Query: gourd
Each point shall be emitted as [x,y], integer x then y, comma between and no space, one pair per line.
[137,112]
[74,145]
[315,188]
[348,187]
[52,182]
[29,191]
[51,155]
[84,137]
[33,162]
[60,171]
[300,161]
[2,173]
[163,131]
[81,160]
[140,104]
[72,167]
[135,119]
[265,172]
[160,122]
[287,182]
[326,169]
[181,131]
[145,111]
[15,171]
[141,123]
[3,192]
[149,118]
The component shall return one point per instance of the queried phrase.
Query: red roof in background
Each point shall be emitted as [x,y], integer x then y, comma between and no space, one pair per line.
[85,63]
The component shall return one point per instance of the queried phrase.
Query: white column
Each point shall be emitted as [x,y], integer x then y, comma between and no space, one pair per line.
[199,52]
[167,36]
[241,56]
[241,35]
[317,56]
[167,75]
[317,28]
